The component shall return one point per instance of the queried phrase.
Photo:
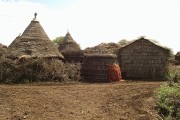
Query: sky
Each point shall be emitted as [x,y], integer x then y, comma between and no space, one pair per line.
[92,22]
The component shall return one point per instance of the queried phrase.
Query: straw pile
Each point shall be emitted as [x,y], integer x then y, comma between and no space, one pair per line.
[103,48]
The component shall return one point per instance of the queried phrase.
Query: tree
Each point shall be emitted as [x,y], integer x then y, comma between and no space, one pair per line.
[124,42]
[58,40]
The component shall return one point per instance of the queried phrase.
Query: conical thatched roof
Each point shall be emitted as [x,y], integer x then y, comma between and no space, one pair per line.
[34,42]
[70,49]
[68,44]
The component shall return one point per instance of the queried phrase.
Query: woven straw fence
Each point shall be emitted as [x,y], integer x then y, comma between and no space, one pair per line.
[76,57]
[94,67]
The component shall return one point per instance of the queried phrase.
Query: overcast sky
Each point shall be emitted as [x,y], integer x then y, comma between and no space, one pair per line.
[92,22]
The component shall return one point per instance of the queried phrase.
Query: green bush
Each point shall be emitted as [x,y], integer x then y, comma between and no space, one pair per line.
[168,101]
[172,74]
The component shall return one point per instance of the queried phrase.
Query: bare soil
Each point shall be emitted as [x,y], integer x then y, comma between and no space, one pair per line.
[79,101]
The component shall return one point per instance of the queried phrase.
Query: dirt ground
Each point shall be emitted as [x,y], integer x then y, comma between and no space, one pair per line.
[79,101]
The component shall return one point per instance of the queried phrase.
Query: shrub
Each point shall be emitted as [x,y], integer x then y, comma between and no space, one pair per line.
[168,101]
[172,74]
[35,70]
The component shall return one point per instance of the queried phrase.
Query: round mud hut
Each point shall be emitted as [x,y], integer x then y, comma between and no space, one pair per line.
[95,67]
[33,43]
[70,49]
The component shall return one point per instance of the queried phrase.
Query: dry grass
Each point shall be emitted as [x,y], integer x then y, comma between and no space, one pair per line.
[35,70]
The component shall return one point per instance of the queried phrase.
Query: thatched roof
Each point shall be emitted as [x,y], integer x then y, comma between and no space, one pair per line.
[68,44]
[99,56]
[103,48]
[34,42]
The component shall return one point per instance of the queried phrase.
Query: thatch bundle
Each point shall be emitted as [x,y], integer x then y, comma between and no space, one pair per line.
[95,67]
[33,42]
[103,48]
[143,59]
[70,49]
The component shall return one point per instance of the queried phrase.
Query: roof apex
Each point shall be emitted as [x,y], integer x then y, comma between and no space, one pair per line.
[142,38]
[35,17]
[68,38]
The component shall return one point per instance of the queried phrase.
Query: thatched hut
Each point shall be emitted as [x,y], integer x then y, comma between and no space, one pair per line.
[70,49]
[34,42]
[95,67]
[143,59]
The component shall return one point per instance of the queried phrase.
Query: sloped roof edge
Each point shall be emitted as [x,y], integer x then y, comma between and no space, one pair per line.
[142,38]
